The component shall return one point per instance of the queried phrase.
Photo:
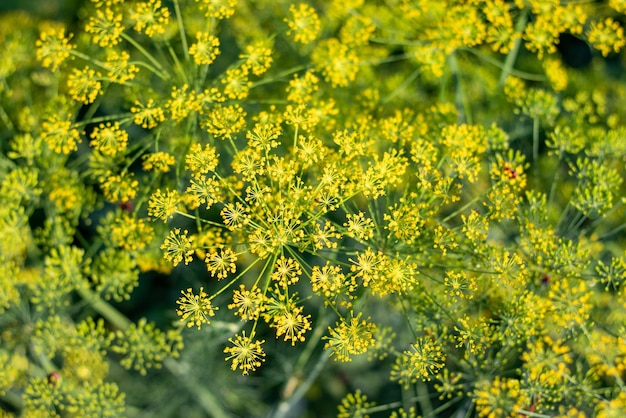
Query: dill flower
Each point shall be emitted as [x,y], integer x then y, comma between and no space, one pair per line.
[246,355]
[258,58]
[163,206]
[329,281]
[206,49]
[60,135]
[150,17]
[224,121]
[236,83]
[292,324]
[128,232]
[354,405]
[304,23]
[195,309]
[177,247]
[145,346]
[120,71]
[606,36]
[182,103]
[120,188]
[115,274]
[336,62]
[425,359]
[287,271]
[204,189]
[147,115]
[502,397]
[301,89]
[235,216]
[53,47]
[84,86]
[158,161]
[108,138]
[218,9]
[248,303]
[350,338]
[201,160]
[221,262]
[106,27]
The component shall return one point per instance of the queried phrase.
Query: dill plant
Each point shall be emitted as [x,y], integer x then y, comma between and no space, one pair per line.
[412,208]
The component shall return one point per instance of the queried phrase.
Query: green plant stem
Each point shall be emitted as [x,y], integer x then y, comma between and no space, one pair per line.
[286,405]
[103,308]
[536,126]
[555,180]
[460,99]
[461,209]
[278,76]
[512,55]
[424,399]
[207,400]
[121,117]
[158,68]
[402,87]
[6,119]
[181,29]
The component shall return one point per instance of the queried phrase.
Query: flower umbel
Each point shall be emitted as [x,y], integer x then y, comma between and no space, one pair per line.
[246,355]
[195,309]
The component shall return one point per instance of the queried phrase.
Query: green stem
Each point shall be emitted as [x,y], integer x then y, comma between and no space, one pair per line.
[181,29]
[555,180]
[460,99]
[493,61]
[207,400]
[285,406]
[461,210]
[103,308]
[278,76]
[121,117]
[158,70]
[512,55]
[402,87]
[88,59]
[424,399]
[536,126]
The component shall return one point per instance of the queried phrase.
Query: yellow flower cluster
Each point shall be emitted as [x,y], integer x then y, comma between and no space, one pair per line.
[429,190]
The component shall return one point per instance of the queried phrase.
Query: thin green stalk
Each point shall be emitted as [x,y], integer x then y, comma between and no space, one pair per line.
[495,62]
[460,99]
[278,76]
[286,405]
[536,151]
[88,59]
[6,119]
[121,117]
[424,399]
[103,308]
[181,29]
[207,400]
[461,209]
[555,181]
[402,87]
[512,56]
[158,70]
